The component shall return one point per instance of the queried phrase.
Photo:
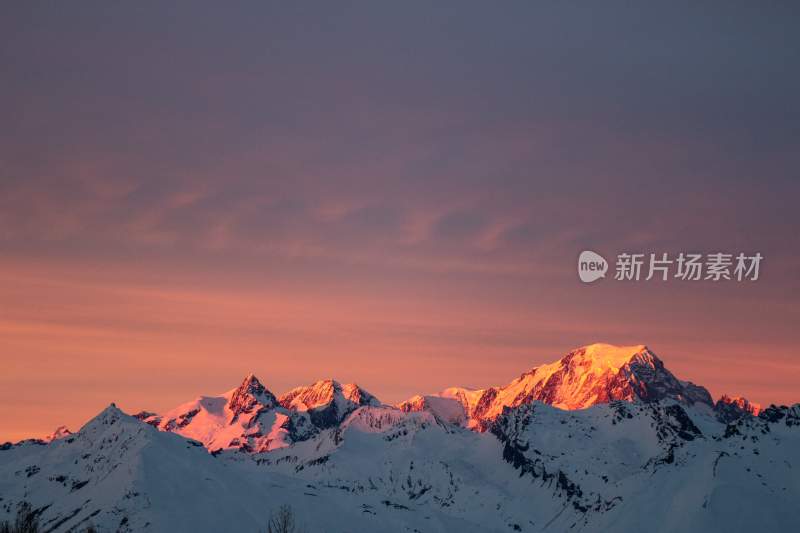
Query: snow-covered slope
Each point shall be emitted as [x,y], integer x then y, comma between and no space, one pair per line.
[446,409]
[122,475]
[663,466]
[659,466]
[412,472]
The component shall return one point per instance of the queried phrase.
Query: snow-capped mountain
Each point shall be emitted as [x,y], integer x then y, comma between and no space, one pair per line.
[327,402]
[594,374]
[248,417]
[658,459]
[253,419]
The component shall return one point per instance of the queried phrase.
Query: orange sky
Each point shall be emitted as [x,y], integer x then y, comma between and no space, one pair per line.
[80,337]
[384,196]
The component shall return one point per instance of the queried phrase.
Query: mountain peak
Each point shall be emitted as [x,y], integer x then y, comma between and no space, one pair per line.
[610,357]
[729,409]
[599,373]
[589,375]
[324,392]
[111,410]
[742,403]
[327,401]
[109,416]
[249,394]
[251,382]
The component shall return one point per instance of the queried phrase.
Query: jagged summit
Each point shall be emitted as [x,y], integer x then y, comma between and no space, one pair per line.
[321,393]
[249,395]
[247,418]
[742,403]
[252,385]
[59,433]
[729,408]
[327,401]
[250,417]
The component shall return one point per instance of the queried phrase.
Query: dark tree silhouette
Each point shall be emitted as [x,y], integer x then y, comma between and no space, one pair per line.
[283,521]
[26,521]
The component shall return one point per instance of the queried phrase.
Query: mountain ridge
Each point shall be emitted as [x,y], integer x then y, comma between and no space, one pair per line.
[592,374]
[346,462]
[252,418]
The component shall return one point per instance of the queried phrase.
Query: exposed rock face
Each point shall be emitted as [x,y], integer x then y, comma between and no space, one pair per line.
[148,417]
[730,409]
[327,402]
[251,395]
[777,413]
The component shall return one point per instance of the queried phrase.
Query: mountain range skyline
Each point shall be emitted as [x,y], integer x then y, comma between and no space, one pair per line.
[586,376]
[597,440]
